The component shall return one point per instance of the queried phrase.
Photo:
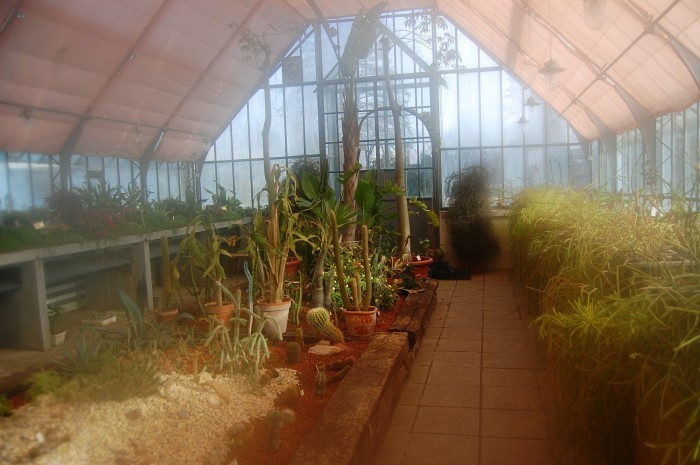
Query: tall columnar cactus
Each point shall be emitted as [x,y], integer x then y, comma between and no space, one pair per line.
[356,303]
[320,320]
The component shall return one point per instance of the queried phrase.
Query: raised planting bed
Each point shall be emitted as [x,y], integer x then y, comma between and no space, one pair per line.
[356,418]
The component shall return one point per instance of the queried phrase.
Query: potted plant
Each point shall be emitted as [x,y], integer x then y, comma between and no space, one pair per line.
[57,325]
[360,316]
[204,259]
[273,237]
[170,276]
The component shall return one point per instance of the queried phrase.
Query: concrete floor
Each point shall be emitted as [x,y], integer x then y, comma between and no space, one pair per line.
[478,392]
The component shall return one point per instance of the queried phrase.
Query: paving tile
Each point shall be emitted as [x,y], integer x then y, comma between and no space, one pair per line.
[507,333]
[504,345]
[502,323]
[511,360]
[433,332]
[393,448]
[509,377]
[418,375]
[424,358]
[428,344]
[457,359]
[514,451]
[447,420]
[459,345]
[514,424]
[403,418]
[462,322]
[512,398]
[432,449]
[461,333]
[451,396]
[411,394]
[500,312]
[454,376]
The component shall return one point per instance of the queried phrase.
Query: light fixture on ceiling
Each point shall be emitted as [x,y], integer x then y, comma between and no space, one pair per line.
[523,122]
[27,117]
[531,102]
[551,67]
[594,13]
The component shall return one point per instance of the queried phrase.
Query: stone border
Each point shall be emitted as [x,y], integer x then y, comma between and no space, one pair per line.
[356,418]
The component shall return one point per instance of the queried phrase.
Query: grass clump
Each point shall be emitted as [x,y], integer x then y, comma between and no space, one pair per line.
[614,296]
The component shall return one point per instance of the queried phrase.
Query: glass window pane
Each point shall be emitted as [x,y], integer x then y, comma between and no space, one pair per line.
[224,150]
[20,192]
[241,173]
[224,176]
[239,130]
[449,119]
[491,118]
[558,166]
[295,121]
[534,133]
[311,120]
[207,182]
[557,128]
[277,140]
[163,181]
[513,169]
[535,166]
[78,171]
[469,102]
[41,180]
[512,111]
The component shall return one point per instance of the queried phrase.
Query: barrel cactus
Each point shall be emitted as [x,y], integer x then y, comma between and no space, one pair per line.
[320,320]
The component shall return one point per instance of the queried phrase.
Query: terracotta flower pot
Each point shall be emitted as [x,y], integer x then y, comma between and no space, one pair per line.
[420,267]
[291,268]
[360,323]
[222,312]
[166,316]
[279,311]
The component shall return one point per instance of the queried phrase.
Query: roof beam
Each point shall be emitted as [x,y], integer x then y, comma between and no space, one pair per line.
[234,35]
[15,13]
[72,141]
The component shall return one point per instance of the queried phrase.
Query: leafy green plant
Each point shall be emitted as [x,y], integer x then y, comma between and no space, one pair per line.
[471,232]
[44,382]
[5,407]
[614,294]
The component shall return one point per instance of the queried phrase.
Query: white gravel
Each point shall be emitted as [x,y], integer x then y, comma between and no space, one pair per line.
[191,428]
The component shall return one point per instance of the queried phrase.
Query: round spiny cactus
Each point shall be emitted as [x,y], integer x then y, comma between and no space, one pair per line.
[320,319]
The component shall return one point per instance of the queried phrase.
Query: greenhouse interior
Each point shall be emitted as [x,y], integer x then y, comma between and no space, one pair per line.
[403,232]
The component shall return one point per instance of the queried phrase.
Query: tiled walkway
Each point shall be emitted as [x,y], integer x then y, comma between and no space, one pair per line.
[478,392]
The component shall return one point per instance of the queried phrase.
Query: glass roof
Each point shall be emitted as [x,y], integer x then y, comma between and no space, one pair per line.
[158,81]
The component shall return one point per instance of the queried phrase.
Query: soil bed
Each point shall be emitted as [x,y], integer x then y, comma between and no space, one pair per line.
[307,407]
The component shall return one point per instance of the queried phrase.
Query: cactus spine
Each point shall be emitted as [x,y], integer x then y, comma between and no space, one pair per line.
[357,304]
[320,319]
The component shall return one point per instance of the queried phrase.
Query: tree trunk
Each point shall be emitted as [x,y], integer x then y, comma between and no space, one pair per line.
[317,291]
[351,153]
[401,200]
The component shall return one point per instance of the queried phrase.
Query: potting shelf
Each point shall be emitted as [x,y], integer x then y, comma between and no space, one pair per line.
[100,266]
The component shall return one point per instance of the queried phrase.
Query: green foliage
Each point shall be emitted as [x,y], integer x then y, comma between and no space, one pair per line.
[44,382]
[320,320]
[616,303]
[471,232]
[5,407]
[87,356]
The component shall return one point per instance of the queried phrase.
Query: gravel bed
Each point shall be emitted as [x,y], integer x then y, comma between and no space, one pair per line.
[187,423]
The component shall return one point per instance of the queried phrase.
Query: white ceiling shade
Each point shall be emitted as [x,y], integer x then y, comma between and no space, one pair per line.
[159,79]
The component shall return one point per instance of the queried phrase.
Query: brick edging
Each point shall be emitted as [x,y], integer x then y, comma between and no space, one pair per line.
[356,418]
